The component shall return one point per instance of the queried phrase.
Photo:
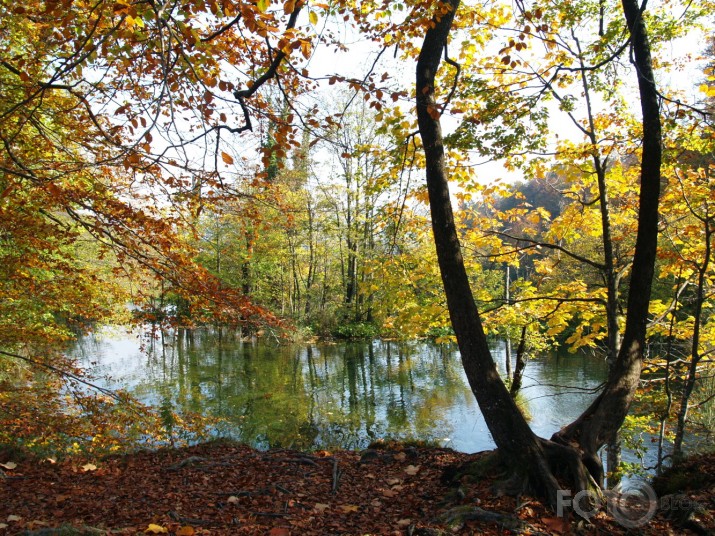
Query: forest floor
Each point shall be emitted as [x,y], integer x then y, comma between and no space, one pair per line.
[223,488]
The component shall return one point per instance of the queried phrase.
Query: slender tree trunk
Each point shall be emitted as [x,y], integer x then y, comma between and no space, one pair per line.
[507,339]
[529,456]
[520,364]
[601,421]
[695,355]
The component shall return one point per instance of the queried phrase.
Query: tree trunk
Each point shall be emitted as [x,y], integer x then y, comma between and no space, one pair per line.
[529,457]
[507,339]
[535,459]
[601,421]
[520,364]
[695,355]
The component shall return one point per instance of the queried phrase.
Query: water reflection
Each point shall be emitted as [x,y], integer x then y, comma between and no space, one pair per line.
[329,395]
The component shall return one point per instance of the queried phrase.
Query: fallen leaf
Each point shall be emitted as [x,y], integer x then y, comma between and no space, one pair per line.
[404,522]
[279,531]
[400,456]
[9,465]
[13,517]
[393,481]
[347,508]
[156,529]
[186,531]
[89,467]
[556,525]
[232,499]
[51,460]
[376,503]
[412,469]
[369,475]
[320,507]
[398,488]
[3,525]
[389,493]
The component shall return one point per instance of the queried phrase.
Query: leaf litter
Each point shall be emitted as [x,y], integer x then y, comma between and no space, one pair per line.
[232,489]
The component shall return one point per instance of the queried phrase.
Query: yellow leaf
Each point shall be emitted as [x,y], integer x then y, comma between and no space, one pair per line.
[89,467]
[412,469]
[156,529]
[227,158]
[263,5]
[320,507]
[313,17]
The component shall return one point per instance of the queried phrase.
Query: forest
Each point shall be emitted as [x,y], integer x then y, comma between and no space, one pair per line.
[538,173]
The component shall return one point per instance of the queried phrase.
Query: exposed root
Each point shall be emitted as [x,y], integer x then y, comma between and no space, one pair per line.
[456,517]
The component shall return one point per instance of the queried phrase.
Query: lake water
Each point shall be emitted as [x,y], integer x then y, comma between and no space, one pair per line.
[330,395]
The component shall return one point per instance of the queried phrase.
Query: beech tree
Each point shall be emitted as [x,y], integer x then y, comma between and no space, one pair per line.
[573,450]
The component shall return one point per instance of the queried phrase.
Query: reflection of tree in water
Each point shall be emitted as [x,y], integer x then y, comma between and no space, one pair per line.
[305,396]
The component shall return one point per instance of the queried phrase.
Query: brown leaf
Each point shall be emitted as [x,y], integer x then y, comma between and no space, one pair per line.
[186,531]
[556,525]
[227,158]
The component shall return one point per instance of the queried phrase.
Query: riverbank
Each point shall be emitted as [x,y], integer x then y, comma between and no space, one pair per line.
[223,488]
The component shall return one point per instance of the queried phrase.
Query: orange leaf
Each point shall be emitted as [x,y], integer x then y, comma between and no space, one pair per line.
[227,158]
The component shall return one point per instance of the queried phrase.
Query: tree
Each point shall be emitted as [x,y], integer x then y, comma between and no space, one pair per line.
[535,457]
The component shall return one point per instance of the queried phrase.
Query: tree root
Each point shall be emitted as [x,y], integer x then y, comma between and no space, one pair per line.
[456,517]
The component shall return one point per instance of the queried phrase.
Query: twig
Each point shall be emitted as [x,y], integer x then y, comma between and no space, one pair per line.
[337,473]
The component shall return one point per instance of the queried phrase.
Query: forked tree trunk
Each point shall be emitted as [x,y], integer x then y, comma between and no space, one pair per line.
[534,459]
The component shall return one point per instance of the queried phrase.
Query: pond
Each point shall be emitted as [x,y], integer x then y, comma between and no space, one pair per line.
[324,395]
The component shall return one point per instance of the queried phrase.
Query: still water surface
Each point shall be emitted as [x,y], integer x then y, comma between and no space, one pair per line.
[330,395]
